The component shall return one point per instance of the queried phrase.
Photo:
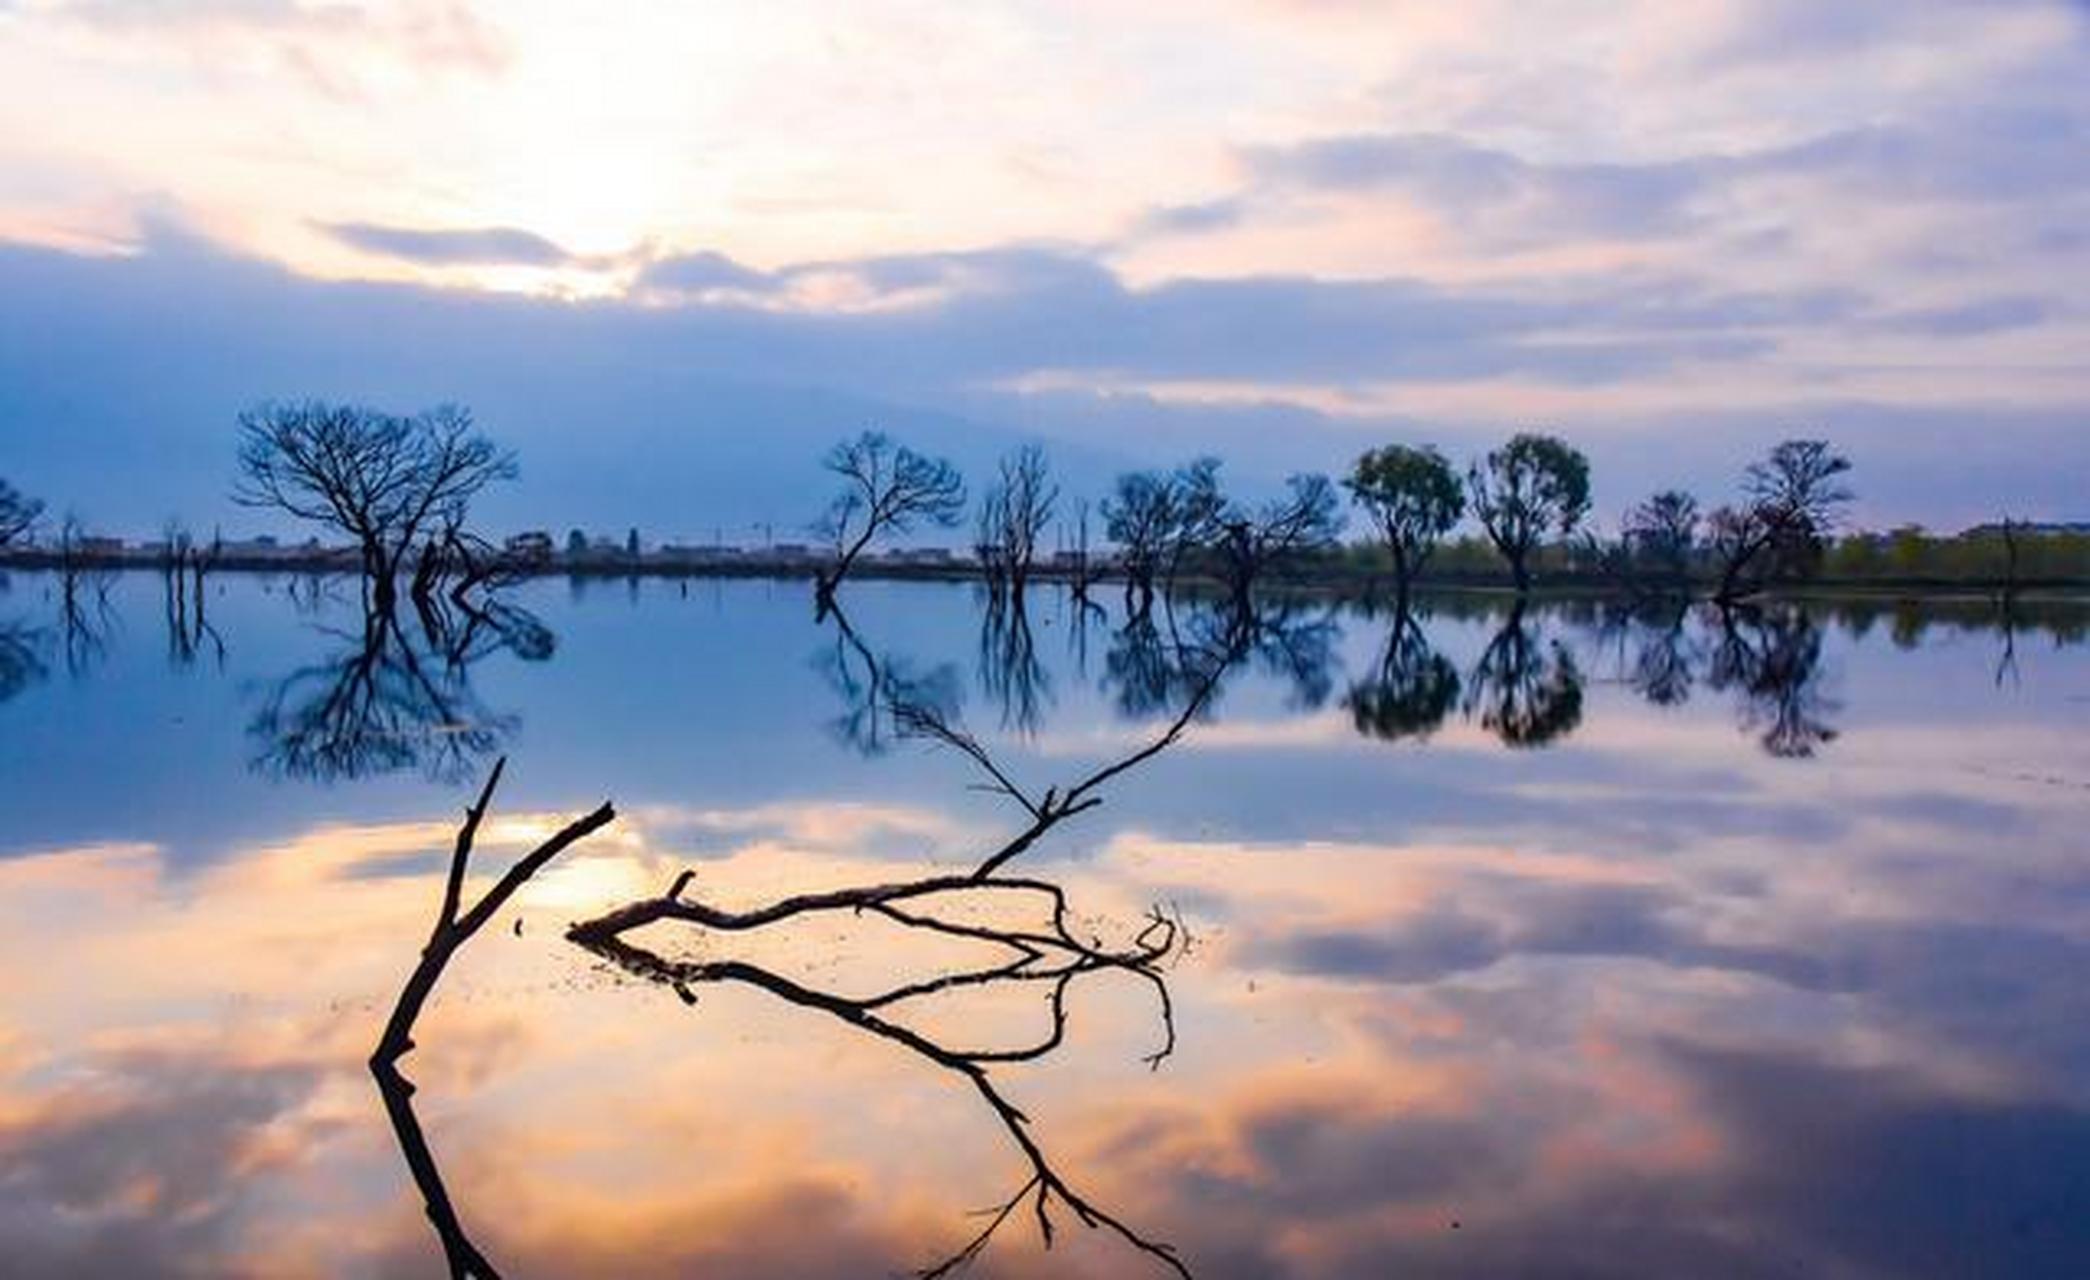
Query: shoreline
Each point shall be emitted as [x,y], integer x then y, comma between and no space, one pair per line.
[1346,582]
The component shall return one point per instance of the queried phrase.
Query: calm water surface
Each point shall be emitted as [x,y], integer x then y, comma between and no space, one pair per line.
[1563,944]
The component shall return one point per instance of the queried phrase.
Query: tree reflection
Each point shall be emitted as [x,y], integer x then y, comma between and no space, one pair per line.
[85,617]
[1653,648]
[1152,665]
[1771,657]
[1011,676]
[1146,668]
[1288,640]
[1411,690]
[21,663]
[870,685]
[1526,689]
[181,585]
[391,701]
[1045,953]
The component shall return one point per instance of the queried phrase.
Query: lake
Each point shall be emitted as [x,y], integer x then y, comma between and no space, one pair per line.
[1565,941]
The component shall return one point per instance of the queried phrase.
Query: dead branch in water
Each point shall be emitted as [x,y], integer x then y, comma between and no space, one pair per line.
[1056,804]
[1055,956]
[452,930]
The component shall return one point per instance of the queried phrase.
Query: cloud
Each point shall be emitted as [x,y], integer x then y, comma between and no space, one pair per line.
[704,272]
[335,49]
[141,1170]
[738,389]
[1989,315]
[444,247]
[1191,219]
[1985,156]
[1458,177]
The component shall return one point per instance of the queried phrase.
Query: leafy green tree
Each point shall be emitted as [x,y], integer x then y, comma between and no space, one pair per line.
[1413,495]
[1532,485]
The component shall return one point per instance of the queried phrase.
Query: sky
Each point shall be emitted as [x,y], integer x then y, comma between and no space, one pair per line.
[669,252]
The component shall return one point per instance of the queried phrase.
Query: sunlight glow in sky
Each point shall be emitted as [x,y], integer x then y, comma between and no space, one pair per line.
[1362,212]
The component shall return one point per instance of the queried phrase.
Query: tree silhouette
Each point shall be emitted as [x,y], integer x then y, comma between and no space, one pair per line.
[1014,514]
[1795,497]
[886,488]
[1411,690]
[18,513]
[1413,495]
[382,479]
[455,924]
[1252,540]
[1771,658]
[1531,485]
[1661,534]
[1526,693]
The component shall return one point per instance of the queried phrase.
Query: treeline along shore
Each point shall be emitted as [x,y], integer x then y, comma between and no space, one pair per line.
[2055,560]
[390,496]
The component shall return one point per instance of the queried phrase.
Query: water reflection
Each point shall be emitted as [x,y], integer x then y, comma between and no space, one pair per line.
[1771,657]
[21,662]
[1290,640]
[1011,675]
[393,700]
[1047,954]
[869,685]
[946,907]
[1525,688]
[1651,1002]
[397,694]
[1411,690]
[85,617]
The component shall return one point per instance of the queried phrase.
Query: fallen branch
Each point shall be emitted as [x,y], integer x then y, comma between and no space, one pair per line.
[452,930]
[1054,955]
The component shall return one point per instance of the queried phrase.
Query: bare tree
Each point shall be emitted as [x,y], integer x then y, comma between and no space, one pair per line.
[18,513]
[1083,564]
[1015,513]
[1199,511]
[1735,536]
[1531,485]
[1661,533]
[380,478]
[1795,498]
[1158,521]
[1253,540]
[1052,956]
[887,488]
[1802,497]
[1139,516]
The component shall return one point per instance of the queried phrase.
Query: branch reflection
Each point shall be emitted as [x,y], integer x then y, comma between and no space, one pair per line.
[1526,689]
[391,701]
